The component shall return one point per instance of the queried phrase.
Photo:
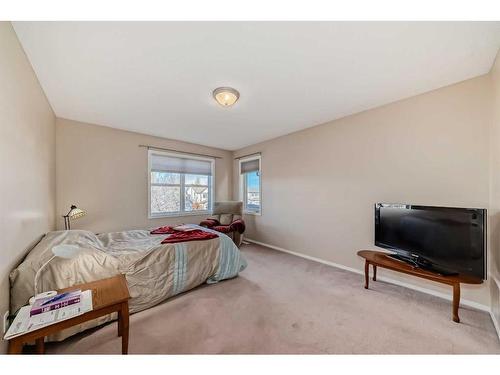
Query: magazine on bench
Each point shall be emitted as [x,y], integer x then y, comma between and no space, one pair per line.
[24,323]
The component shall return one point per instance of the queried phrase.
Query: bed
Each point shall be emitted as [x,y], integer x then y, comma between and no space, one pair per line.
[154,271]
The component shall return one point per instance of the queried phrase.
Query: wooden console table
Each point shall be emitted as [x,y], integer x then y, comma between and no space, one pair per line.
[380,259]
[108,296]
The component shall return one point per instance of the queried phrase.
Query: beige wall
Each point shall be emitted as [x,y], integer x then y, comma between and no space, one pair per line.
[494,211]
[27,159]
[103,171]
[319,185]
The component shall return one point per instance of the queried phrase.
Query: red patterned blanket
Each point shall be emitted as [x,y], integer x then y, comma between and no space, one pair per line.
[181,236]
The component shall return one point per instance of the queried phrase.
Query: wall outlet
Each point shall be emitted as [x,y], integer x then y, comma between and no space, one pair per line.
[5,322]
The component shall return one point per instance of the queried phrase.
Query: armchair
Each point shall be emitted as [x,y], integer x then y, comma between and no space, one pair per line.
[227,218]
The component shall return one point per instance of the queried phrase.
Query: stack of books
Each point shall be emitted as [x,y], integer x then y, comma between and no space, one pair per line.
[58,301]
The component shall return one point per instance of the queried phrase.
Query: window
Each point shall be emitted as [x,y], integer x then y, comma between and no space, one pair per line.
[250,182]
[179,184]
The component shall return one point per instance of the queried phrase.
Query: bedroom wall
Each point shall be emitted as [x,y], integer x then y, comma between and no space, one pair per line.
[103,171]
[319,185]
[27,160]
[494,211]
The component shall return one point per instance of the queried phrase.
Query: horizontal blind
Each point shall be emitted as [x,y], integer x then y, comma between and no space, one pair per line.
[172,164]
[250,166]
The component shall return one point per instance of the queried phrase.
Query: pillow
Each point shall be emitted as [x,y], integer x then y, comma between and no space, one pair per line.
[226,219]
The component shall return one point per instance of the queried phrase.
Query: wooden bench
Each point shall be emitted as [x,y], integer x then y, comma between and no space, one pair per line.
[108,296]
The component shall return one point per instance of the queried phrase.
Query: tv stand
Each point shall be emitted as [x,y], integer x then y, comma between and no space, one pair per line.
[385,260]
[424,264]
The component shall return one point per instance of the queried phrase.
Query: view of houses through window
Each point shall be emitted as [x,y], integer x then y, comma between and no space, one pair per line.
[172,192]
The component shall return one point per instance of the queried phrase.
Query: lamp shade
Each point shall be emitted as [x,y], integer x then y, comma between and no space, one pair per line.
[76,212]
[65,251]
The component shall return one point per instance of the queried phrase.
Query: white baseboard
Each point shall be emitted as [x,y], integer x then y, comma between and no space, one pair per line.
[496,323]
[445,296]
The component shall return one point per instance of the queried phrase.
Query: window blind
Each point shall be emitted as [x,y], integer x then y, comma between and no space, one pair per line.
[248,166]
[172,164]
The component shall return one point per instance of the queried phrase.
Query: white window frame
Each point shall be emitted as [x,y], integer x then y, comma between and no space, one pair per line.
[243,185]
[211,186]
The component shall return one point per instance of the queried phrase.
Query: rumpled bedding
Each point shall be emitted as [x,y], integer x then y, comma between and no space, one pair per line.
[154,271]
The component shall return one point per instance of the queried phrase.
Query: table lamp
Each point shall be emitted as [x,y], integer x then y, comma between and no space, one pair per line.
[73,213]
[58,251]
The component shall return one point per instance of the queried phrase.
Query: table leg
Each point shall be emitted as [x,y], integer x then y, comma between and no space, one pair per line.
[124,327]
[15,346]
[40,345]
[456,302]
[120,328]
[374,272]
[367,273]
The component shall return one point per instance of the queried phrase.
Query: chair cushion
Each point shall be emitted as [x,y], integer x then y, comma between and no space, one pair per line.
[220,218]
[226,219]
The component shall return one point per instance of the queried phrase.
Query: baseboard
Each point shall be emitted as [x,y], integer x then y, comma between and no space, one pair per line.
[496,323]
[447,297]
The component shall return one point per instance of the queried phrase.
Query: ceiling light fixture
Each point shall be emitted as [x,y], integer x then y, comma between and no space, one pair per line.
[226,96]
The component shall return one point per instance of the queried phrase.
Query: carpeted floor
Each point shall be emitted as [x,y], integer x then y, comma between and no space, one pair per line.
[285,304]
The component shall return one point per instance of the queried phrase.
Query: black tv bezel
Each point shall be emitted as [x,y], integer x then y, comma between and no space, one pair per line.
[482,211]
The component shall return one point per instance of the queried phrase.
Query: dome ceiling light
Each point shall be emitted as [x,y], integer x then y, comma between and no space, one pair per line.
[226,96]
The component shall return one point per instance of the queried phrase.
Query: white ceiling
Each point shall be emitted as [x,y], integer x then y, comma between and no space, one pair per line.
[157,77]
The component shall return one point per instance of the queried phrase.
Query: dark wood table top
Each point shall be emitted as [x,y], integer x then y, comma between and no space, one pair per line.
[382,259]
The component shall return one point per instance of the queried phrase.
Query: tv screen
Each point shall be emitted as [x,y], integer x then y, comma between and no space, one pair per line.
[450,238]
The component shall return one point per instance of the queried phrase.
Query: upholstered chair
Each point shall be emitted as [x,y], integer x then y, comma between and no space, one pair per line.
[227,218]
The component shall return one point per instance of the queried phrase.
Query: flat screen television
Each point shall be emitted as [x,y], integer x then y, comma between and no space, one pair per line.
[446,240]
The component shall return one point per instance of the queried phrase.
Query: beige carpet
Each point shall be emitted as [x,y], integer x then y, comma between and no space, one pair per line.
[285,304]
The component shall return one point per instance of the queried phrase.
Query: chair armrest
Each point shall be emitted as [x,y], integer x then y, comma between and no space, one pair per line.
[238,225]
